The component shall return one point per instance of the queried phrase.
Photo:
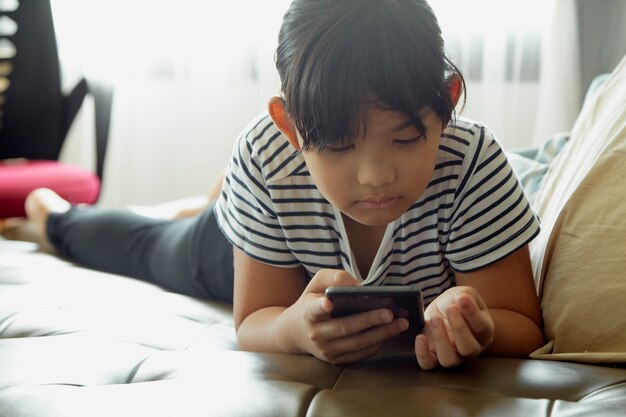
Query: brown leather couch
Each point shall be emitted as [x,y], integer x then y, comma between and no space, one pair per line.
[75,342]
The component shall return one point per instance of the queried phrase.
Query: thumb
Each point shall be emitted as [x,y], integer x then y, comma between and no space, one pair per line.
[320,310]
[330,278]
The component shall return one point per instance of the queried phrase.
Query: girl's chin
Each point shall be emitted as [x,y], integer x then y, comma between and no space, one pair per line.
[374,217]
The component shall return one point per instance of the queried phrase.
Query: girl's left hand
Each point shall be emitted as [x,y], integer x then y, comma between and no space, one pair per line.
[458,326]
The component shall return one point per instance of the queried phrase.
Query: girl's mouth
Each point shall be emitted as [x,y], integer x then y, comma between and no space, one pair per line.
[380,202]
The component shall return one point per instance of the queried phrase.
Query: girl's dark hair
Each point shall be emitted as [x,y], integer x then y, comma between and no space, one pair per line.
[335,58]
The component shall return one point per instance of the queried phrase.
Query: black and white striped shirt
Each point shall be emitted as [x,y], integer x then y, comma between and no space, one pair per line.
[473,212]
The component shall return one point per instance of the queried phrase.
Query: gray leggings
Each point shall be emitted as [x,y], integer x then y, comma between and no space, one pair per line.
[188,256]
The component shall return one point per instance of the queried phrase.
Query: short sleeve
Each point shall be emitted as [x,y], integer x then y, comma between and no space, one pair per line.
[245,212]
[492,217]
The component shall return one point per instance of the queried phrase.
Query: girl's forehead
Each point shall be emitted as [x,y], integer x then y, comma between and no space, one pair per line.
[395,119]
[379,121]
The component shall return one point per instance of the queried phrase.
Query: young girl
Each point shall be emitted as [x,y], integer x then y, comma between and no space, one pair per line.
[360,175]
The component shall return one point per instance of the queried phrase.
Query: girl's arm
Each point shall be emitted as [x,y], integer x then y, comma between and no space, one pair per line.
[508,290]
[494,310]
[262,294]
[277,310]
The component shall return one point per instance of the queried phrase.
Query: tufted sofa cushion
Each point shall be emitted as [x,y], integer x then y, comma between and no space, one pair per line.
[75,343]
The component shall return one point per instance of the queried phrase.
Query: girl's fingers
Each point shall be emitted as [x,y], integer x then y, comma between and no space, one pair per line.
[467,346]
[329,278]
[357,323]
[479,321]
[464,333]
[425,358]
[447,354]
[318,310]
[366,329]
[361,344]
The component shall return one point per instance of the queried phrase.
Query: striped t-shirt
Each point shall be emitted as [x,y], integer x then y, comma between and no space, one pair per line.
[472,213]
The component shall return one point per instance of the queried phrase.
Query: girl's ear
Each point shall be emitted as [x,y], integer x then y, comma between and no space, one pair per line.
[455,88]
[276,109]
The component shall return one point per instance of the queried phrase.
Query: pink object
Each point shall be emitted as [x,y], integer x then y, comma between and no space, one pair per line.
[20,177]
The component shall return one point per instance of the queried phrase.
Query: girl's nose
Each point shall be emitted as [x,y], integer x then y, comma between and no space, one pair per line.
[376,171]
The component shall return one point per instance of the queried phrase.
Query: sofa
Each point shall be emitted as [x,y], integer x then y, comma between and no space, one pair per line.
[76,342]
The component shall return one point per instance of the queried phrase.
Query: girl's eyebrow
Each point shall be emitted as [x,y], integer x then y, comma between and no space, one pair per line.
[406,123]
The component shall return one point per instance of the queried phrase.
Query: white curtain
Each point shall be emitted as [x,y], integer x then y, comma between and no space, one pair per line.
[189,75]
[521,63]
[560,86]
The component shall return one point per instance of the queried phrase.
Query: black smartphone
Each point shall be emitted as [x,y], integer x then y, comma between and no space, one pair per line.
[404,301]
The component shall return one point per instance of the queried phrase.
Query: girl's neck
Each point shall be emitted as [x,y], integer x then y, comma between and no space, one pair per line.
[364,242]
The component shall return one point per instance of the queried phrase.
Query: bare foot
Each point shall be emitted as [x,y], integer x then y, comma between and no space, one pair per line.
[13,228]
[39,204]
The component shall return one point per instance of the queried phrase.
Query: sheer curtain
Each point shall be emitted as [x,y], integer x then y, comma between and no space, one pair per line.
[189,75]
[521,64]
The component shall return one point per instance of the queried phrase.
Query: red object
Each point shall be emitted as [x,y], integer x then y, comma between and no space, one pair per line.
[19,178]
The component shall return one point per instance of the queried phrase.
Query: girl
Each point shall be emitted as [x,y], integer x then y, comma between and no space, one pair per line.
[357,175]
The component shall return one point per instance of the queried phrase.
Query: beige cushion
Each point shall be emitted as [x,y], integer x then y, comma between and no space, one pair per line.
[579,258]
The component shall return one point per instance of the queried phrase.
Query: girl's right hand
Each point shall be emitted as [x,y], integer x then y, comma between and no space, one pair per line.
[345,339]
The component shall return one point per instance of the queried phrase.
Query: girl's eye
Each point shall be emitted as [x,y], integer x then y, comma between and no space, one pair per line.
[341,149]
[408,141]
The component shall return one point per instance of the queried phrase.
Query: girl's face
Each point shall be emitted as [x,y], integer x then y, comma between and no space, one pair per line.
[380,175]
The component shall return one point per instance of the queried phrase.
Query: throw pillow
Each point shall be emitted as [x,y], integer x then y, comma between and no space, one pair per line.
[579,258]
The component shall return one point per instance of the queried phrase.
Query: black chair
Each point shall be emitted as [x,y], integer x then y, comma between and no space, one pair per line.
[35,115]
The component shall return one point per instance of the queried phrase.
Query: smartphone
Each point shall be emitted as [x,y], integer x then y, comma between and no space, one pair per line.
[404,301]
